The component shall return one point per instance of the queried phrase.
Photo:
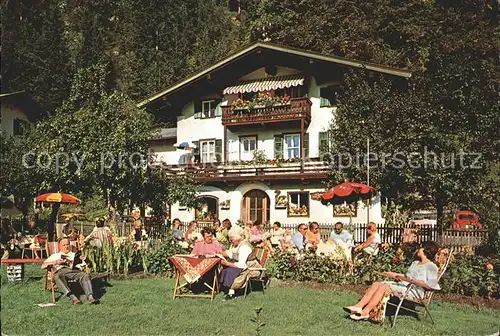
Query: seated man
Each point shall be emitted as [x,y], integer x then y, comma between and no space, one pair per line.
[343,239]
[299,239]
[63,271]
[208,246]
[241,257]
[370,246]
[339,235]
[100,235]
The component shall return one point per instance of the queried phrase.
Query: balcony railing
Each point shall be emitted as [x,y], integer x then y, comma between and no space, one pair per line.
[303,170]
[296,109]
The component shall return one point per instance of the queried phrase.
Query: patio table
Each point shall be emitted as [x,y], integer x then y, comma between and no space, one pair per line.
[190,269]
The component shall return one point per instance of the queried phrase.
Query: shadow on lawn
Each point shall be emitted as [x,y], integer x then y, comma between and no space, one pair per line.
[99,287]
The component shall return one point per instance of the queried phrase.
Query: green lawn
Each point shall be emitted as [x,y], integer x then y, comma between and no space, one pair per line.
[145,306]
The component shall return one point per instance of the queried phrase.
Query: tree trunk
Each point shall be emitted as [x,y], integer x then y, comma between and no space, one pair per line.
[52,221]
[440,213]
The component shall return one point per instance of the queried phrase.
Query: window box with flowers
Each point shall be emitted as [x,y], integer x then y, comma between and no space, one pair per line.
[261,100]
[298,204]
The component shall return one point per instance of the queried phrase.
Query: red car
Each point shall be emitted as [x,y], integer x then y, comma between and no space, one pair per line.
[466,220]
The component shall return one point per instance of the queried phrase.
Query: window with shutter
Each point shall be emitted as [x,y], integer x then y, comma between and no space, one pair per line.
[196,151]
[278,146]
[218,151]
[306,145]
[207,151]
[323,144]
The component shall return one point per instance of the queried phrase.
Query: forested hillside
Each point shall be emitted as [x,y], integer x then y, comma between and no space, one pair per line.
[451,103]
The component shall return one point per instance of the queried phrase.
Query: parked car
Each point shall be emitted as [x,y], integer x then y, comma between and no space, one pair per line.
[466,220]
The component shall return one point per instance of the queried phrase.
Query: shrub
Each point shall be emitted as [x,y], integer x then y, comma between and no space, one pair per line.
[473,275]
[157,256]
[466,275]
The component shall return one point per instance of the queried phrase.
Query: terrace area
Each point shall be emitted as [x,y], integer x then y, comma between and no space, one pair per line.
[301,170]
[296,109]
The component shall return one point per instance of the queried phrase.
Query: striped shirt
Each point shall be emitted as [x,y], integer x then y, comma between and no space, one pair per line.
[100,235]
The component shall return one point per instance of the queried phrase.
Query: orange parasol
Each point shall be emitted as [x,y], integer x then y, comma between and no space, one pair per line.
[57,198]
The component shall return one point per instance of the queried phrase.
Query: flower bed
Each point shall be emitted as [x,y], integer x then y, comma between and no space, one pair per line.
[466,275]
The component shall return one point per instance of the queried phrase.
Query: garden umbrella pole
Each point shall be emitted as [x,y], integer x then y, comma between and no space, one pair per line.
[56,199]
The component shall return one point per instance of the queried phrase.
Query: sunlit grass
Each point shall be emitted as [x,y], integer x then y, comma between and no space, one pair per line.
[145,306]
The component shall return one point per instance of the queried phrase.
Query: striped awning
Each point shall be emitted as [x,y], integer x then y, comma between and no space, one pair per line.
[265,84]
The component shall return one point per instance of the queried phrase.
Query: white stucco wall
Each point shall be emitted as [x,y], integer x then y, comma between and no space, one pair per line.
[167,153]
[191,129]
[317,211]
[9,113]
[321,117]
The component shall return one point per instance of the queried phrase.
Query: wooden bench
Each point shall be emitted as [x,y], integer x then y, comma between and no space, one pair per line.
[15,267]
[22,261]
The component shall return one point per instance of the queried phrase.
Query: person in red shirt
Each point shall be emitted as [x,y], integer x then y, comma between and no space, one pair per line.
[208,246]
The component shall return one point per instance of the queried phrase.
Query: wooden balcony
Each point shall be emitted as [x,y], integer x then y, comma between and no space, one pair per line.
[296,109]
[297,171]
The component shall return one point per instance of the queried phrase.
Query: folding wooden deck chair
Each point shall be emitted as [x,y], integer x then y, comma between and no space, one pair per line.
[49,283]
[40,239]
[442,259]
[261,255]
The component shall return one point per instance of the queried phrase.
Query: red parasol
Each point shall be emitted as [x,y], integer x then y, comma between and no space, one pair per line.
[57,198]
[348,192]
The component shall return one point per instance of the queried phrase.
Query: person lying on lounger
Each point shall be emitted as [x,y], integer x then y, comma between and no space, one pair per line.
[423,273]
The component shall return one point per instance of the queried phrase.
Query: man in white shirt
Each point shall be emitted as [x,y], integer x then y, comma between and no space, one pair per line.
[62,262]
[340,235]
[241,257]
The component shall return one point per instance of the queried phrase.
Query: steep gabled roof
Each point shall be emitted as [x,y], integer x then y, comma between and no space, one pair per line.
[34,111]
[275,47]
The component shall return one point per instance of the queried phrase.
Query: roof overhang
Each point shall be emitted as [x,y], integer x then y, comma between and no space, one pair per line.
[274,47]
[34,111]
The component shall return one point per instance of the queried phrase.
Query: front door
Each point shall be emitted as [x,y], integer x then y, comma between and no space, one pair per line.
[255,206]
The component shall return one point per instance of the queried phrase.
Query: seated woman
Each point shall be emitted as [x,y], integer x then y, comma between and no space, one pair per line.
[260,237]
[248,230]
[177,233]
[208,246]
[370,245]
[313,235]
[241,257]
[422,272]
[277,236]
[217,227]
[191,236]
